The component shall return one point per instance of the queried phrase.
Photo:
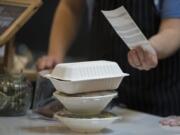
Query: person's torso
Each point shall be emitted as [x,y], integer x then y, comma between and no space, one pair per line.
[156,91]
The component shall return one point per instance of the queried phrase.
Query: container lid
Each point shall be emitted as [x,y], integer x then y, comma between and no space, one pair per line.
[86,71]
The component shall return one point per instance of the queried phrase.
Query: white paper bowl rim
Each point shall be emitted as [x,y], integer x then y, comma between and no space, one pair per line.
[109,94]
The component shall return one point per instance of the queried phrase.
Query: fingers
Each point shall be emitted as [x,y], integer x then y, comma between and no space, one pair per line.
[171,121]
[134,60]
[151,61]
[46,62]
[142,59]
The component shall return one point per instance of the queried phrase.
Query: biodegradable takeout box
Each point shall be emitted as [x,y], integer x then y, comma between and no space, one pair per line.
[81,71]
[80,77]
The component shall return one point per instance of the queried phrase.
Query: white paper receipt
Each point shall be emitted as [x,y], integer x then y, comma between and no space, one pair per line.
[126,28]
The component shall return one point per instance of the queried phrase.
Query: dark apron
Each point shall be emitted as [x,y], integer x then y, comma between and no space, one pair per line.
[156,91]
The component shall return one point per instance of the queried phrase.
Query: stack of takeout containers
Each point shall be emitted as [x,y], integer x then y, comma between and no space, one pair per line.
[85,89]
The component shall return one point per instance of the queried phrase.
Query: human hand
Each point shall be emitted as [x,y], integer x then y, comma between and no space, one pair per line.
[172,121]
[142,59]
[47,62]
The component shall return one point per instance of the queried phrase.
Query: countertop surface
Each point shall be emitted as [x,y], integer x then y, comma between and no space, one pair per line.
[133,123]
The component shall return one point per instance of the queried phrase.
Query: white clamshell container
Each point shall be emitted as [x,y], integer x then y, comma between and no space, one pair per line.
[91,70]
[84,77]
[86,104]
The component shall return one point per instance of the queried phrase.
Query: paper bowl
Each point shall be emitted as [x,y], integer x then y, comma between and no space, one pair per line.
[86,104]
[91,70]
[86,125]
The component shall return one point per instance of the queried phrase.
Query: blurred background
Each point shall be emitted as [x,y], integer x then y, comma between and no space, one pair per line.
[33,39]
[35,34]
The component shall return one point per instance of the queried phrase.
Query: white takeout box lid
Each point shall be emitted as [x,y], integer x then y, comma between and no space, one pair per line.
[90,70]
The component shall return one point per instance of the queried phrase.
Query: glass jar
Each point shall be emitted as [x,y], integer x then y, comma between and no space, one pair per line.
[15,95]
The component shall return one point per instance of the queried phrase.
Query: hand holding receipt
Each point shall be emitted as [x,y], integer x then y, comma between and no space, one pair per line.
[142,55]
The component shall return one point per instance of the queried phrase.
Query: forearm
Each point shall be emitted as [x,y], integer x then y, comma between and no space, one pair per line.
[64,29]
[167,41]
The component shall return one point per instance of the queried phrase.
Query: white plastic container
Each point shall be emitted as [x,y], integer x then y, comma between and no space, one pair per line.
[87,125]
[91,70]
[86,104]
[73,78]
